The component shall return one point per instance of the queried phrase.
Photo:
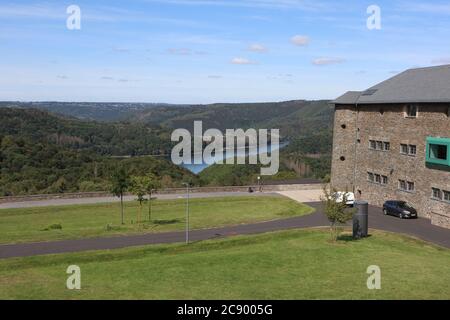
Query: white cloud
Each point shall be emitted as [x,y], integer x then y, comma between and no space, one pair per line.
[424,7]
[257,47]
[180,51]
[300,40]
[441,61]
[243,61]
[214,77]
[327,61]
[309,5]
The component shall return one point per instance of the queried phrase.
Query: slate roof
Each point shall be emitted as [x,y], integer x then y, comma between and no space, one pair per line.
[420,85]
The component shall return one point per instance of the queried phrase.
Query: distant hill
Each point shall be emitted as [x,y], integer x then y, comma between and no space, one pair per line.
[293,118]
[45,153]
[87,110]
[114,139]
[130,129]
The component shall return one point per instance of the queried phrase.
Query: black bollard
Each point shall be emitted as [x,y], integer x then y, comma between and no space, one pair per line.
[361,220]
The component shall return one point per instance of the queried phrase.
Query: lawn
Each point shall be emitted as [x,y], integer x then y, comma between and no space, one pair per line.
[81,221]
[298,264]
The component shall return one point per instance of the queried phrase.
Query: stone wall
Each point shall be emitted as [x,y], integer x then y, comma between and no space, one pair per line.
[388,123]
[344,137]
[265,188]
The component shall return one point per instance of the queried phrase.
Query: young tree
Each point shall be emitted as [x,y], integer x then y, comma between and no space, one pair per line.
[152,184]
[336,211]
[119,185]
[138,188]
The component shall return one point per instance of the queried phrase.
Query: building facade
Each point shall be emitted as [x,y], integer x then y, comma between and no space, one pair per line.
[392,142]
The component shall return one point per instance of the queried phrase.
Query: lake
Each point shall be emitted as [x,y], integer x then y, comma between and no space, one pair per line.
[243,152]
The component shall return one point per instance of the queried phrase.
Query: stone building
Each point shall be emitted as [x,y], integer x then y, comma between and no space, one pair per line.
[392,142]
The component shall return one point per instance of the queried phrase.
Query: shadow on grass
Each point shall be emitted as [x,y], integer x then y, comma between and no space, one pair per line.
[349,238]
[165,222]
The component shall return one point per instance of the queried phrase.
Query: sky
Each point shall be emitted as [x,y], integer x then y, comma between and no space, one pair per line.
[206,51]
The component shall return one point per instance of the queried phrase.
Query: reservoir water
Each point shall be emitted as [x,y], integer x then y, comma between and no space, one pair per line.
[239,153]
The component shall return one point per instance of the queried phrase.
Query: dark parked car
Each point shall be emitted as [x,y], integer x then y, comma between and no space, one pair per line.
[400,209]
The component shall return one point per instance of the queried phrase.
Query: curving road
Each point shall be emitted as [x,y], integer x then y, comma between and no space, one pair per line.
[419,228]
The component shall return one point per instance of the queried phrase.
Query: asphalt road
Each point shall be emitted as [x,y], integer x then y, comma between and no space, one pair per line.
[420,228]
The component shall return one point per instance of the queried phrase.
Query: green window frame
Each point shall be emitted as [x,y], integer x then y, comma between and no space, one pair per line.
[438,151]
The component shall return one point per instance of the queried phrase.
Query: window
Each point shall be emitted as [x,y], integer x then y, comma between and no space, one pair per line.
[377,178]
[448,112]
[411,186]
[447,196]
[404,149]
[436,194]
[412,150]
[379,145]
[438,151]
[411,111]
[402,184]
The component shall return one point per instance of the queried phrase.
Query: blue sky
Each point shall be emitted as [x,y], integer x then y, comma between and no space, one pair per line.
[203,51]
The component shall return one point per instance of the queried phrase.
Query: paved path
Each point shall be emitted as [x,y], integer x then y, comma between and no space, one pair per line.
[64,202]
[303,196]
[420,228]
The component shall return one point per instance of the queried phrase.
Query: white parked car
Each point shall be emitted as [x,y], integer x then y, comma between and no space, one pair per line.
[349,197]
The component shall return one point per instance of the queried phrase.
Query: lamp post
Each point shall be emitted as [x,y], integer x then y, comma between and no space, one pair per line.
[187,212]
[259,183]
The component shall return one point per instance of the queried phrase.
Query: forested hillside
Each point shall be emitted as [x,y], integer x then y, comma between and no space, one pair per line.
[116,139]
[48,152]
[293,118]
[43,153]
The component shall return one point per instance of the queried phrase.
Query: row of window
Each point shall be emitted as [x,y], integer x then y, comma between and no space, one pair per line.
[379,145]
[406,185]
[407,149]
[377,178]
[439,194]
[412,111]
[409,186]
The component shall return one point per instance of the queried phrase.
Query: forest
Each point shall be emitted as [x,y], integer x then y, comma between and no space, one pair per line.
[44,151]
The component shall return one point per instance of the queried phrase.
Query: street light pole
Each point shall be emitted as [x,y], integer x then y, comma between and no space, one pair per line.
[187,213]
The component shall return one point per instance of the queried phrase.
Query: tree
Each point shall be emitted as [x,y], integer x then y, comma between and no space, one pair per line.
[138,188]
[336,211]
[119,185]
[151,184]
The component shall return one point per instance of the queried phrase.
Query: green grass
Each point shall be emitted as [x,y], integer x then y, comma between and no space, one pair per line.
[299,264]
[80,221]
